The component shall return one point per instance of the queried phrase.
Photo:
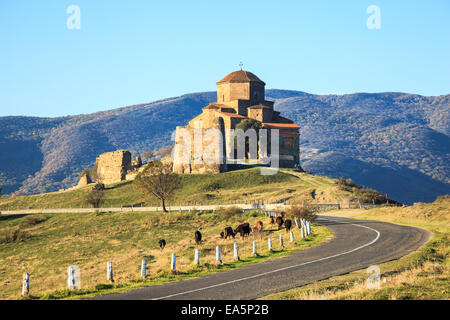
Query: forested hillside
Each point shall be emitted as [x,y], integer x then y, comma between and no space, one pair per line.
[394,142]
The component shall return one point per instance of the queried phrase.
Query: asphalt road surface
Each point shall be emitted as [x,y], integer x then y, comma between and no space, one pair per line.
[357,244]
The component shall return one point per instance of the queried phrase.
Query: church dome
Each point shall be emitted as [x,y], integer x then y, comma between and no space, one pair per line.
[241,76]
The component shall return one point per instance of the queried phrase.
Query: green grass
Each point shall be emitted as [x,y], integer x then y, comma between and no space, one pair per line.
[241,185]
[89,241]
[423,274]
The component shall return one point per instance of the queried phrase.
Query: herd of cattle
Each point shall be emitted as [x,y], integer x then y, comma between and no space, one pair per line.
[243,229]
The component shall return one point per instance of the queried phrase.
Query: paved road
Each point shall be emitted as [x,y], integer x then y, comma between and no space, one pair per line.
[357,244]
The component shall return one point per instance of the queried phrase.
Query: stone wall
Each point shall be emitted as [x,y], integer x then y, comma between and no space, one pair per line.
[112,167]
[84,181]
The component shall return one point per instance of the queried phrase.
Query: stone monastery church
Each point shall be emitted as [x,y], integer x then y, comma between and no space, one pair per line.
[240,96]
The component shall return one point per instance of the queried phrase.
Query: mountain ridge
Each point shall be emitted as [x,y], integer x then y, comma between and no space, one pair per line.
[407,134]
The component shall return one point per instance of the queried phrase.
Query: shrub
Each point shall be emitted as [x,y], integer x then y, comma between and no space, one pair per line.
[95,198]
[346,184]
[32,221]
[230,212]
[9,235]
[302,212]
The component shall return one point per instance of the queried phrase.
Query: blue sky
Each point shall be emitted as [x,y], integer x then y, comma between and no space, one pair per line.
[132,52]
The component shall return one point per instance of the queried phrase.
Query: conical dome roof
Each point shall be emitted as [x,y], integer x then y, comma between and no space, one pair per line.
[241,76]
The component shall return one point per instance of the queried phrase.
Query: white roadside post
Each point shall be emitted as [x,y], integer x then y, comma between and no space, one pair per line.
[70,278]
[281,241]
[296,223]
[109,272]
[236,251]
[291,234]
[254,248]
[197,256]
[269,242]
[173,264]
[144,268]
[218,254]
[303,232]
[26,284]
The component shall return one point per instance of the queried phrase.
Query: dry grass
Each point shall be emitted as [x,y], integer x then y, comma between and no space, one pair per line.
[225,188]
[89,241]
[423,274]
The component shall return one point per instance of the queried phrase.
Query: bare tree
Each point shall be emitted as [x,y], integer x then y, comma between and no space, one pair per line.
[148,155]
[95,197]
[165,151]
[158,181]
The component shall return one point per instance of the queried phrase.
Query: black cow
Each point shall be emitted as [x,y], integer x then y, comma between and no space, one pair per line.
[228,232]
[198,237]
[279,221]
[288,225]
[243,229]
[162,244]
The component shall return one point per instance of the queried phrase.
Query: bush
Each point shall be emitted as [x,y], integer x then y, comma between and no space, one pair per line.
[95,198]
[9,235]
[302,212]
[32,221]
[346,184]
[228,213]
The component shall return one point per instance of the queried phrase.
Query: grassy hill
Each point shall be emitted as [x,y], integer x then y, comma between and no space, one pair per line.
[226,188]
[397,143]
[46,245]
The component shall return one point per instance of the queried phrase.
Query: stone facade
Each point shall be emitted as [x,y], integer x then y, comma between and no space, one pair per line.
[240,95]
[112,167]
[84,180]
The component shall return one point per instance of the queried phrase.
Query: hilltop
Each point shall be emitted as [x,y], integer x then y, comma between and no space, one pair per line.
[248,185]
[397,143]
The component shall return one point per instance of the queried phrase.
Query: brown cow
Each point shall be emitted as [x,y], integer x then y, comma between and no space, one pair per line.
[198,237]
[288,225]
[259,226]
[279,221]
[243,229]
[228,232]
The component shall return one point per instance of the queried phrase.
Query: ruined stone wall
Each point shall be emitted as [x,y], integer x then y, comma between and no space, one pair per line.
[112,167]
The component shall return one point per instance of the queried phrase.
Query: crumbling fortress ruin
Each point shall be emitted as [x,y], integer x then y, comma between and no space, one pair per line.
[113,167]
[240,96]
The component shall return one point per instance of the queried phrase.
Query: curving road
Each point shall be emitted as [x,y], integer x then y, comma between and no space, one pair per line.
[356,244]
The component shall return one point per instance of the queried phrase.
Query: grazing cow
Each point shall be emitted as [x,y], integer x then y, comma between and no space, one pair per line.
[162,244]
[198,237]
[222,235]
[272,220]
[243,229]
[259,226]
[288,225]
[228,232]
[279,221]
